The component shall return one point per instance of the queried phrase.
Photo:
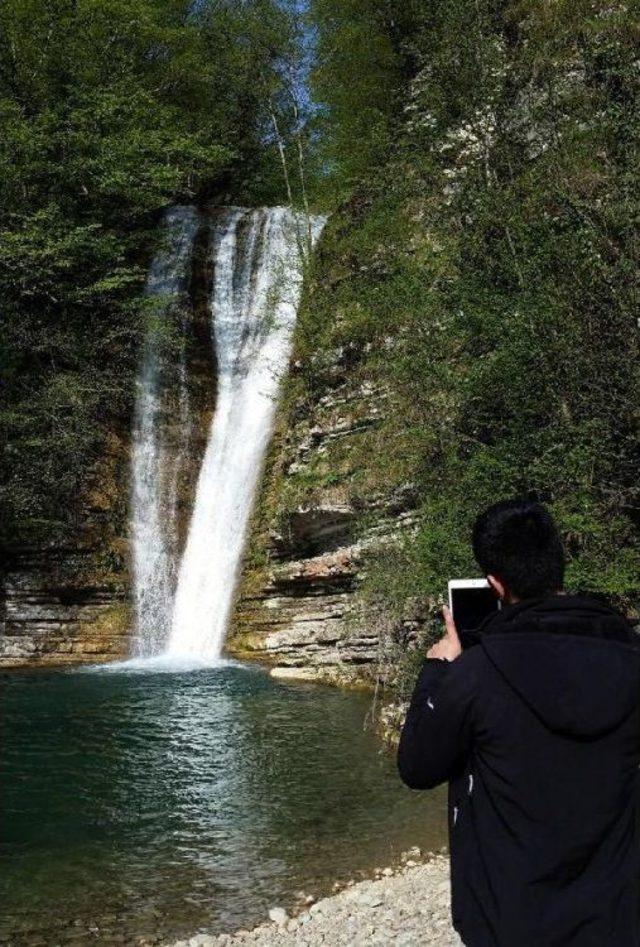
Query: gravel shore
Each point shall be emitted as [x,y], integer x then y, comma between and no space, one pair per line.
[405,907]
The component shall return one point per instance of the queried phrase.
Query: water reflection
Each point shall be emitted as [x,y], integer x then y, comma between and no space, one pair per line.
[139,802]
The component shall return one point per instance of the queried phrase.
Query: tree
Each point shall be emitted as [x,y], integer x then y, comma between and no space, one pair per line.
[110,110]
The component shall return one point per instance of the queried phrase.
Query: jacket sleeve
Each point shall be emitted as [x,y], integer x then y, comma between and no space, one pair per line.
[436,737]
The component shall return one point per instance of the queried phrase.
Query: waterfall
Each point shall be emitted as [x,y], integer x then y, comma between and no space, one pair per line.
[155,466]
[183,603]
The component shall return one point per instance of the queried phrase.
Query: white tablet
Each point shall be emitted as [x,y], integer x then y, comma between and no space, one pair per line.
[471,601]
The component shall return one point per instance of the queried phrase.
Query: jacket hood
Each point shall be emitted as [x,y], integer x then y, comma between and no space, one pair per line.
[572,660]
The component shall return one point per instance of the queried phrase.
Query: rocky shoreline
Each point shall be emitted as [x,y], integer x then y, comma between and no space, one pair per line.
[405,906]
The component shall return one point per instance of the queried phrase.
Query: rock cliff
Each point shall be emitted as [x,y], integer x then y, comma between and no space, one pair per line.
[300,606]
[67,602]
[54,613]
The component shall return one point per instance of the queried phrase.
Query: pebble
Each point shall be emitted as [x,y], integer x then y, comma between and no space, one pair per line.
[279,916]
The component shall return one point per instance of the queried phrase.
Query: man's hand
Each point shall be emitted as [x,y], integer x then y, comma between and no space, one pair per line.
[449,647]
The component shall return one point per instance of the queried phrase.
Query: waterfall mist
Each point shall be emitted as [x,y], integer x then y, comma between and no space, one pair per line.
[183,598]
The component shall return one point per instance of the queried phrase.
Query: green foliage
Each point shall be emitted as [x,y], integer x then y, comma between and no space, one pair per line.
[110,110]
[362,60]
[486,278]
[480,273]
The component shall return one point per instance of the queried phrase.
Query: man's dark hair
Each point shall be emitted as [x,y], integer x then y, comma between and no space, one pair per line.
[517,541]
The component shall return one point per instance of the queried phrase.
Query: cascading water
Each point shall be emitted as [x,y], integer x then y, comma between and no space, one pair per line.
[257,258]
[155,466]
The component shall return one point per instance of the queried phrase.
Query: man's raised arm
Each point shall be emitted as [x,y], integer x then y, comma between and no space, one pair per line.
[436,737]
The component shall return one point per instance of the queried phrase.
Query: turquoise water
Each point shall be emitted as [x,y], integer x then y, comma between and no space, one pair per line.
[149,804]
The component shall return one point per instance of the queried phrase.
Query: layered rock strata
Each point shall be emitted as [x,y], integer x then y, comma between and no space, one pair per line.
[54,612]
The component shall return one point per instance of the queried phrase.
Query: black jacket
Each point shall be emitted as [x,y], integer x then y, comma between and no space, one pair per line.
[537,729]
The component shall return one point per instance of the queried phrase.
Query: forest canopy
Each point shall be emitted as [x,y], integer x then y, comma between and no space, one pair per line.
[480,162]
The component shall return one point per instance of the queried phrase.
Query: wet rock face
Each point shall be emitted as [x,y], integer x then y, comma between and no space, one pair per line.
[54,612]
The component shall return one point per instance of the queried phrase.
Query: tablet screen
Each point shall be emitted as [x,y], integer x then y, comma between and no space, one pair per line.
[471,606]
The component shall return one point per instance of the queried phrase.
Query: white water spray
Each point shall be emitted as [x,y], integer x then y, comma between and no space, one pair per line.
[258,257]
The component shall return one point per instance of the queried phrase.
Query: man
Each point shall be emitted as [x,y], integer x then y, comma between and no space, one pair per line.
[537,730]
